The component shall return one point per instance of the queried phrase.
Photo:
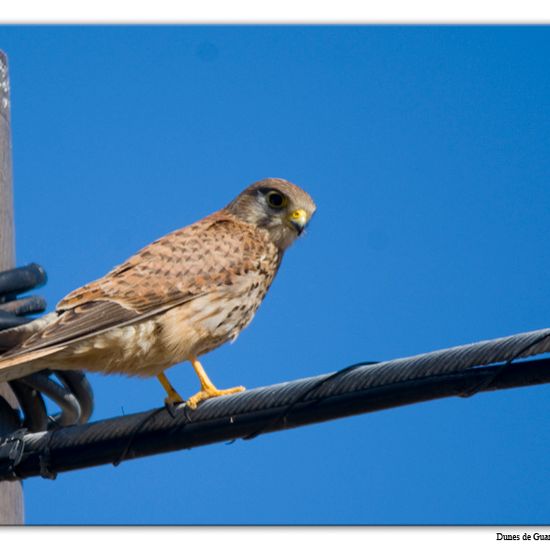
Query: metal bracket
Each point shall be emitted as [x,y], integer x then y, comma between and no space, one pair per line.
[11,452]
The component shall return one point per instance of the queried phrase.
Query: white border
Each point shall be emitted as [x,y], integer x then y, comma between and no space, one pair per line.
[276,11]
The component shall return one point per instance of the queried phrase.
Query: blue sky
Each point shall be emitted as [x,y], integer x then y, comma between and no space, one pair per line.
[426,150]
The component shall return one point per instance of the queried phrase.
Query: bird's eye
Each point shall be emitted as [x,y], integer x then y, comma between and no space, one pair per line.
[275,199]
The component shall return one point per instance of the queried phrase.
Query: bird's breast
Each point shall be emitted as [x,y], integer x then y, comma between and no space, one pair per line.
[208,321]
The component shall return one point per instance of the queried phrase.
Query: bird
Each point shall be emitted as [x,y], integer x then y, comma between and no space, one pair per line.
[175,300]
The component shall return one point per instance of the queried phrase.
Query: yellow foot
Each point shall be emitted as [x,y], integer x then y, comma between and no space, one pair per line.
[173,397]
[208,392]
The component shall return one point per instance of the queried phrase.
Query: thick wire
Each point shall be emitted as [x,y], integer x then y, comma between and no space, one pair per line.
[32,404]
[63,397]
[72,392]
[469,393]
[302,396]
[287,395]
[78,385]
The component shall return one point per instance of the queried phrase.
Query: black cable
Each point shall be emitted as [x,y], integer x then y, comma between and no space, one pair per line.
[498,371]
[9,320]
[301,397]
[73,392]
[139,427]
[22,279]
[31,402]
[24,306]
[357,389]
[13,313]
[468,393]
[77,384]
[70,407]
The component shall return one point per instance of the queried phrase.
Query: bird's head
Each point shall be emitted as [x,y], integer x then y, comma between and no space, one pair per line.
[278,206]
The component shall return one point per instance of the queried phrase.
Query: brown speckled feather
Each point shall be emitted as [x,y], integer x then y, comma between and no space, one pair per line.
[178,298]
[190,262]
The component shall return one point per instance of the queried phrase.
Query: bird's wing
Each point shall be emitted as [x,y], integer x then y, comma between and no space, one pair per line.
[82,321]
[178,268]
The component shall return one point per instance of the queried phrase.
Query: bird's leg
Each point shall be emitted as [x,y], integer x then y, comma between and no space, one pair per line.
[207,388]
[172,395]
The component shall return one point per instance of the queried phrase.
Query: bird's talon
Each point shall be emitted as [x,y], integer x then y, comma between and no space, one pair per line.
[208,393]
[191,404]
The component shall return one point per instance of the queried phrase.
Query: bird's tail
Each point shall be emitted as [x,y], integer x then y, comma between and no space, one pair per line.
[12,368]
[12,338]
[15,362]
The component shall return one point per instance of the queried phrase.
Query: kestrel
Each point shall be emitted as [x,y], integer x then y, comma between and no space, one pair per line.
[178,298]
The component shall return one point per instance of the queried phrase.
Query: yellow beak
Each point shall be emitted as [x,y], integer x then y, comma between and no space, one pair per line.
[298,219]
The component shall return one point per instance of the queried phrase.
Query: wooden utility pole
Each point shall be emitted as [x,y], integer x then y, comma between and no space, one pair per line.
[11,492]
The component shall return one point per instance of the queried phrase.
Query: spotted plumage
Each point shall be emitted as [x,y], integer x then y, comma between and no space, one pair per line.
[178,298]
